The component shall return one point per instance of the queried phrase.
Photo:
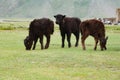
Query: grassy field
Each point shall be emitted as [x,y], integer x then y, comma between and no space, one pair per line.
[58,63]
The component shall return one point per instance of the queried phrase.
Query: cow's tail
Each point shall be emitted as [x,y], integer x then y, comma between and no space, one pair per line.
[81,29]
[52,27]
[78,21]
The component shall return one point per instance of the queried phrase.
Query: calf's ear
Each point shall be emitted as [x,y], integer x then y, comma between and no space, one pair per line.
[106,38]
[64,16]
[27,38]
[55,16]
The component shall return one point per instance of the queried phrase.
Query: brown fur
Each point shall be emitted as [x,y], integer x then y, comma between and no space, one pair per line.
[96,29]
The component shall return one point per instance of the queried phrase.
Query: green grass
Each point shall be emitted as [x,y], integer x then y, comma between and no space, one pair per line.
[113,28]
[13,25]
[58,63]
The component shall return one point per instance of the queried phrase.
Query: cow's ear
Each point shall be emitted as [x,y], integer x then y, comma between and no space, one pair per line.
[27,38]
[106,38]
[55,16]
[64,16]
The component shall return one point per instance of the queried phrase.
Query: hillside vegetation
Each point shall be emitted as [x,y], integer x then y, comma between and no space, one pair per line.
[47,8]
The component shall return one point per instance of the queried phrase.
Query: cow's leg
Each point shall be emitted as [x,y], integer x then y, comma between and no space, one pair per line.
[63,39]
[106,42]
[48,41]
[83,41]
[35,41]
[101,48]
[68,39]
[77,38]
[41,41]
[96,42]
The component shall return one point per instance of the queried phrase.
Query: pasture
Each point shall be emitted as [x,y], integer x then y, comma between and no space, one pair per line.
[56,63]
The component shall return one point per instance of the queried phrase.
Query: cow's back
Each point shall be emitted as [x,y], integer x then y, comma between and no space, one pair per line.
[41,26]
[93,27]
[72,24]
[97,27]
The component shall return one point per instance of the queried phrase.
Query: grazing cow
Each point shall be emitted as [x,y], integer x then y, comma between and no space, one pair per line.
[67,26]
[96,29]
[38,28]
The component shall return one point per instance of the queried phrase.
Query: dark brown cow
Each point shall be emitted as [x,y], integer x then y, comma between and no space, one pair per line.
[67,26]
[38,28]
[96,29]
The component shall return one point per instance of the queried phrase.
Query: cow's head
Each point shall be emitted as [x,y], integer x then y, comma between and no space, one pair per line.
[103,43]
[59,18]
[28,43]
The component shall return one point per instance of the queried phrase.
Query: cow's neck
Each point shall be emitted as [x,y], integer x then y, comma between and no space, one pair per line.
[31,36]
[61,26]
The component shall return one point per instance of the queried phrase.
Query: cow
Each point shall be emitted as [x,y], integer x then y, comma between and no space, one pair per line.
[96,29]
[37,29]
[68,25]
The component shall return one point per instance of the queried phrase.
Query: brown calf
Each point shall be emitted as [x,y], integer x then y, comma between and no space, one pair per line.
[96,29]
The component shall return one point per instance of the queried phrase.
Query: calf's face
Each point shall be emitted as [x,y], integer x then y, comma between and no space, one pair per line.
[59,18]
[28,43]
[103,43]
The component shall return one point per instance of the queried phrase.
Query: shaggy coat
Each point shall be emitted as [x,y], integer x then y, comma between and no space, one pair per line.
[96,29]
[39,28]
[68,25]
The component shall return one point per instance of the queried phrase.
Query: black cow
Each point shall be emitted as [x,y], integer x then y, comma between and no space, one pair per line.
[38,28]
[68,25]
